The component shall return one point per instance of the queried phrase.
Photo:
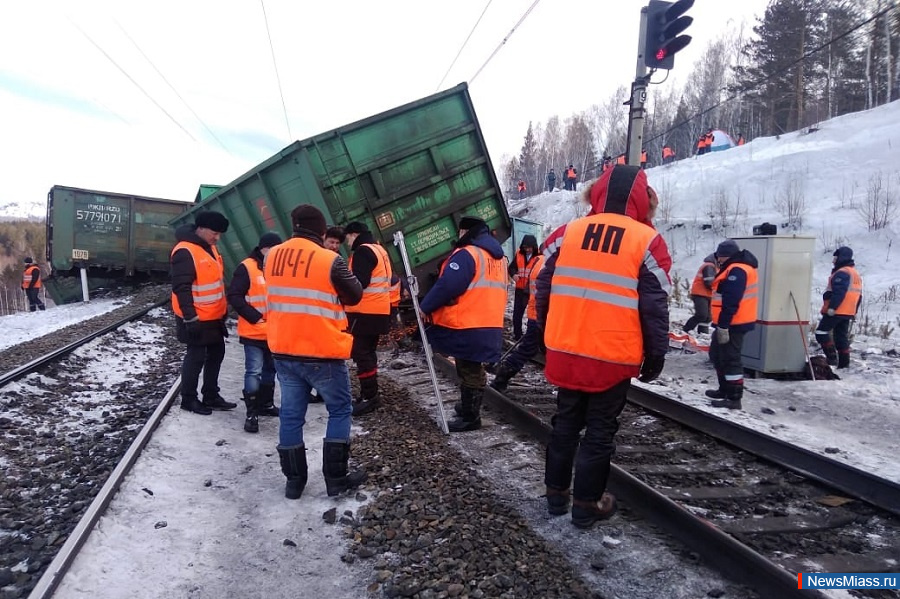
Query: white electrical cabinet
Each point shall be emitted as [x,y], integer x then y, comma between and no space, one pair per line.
[776,345]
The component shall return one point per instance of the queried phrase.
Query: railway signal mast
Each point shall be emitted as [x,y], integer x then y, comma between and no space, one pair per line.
[662,24]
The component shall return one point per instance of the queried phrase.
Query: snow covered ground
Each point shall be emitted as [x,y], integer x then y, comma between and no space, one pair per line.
[20,327]
[723,194]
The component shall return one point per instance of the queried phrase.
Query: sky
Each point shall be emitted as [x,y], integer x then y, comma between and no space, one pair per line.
[157,98]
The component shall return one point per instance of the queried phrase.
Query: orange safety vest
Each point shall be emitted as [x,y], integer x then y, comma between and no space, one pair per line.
[523,270]
[747,309]
[854,292]
[256,297]
[305,315]
[521,185]
[208,289]
[531,307]
[570,173]
[28,275]
[395,292]
[644,156]
[620,159]
[376,297]
[667,152]
[698,287]
[594,292]
[709,139]
[483,303]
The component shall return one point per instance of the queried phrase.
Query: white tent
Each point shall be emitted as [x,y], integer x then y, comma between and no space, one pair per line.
[721,141]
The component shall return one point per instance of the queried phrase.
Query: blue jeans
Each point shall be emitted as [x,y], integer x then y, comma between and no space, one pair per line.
[259,368]
[331,379]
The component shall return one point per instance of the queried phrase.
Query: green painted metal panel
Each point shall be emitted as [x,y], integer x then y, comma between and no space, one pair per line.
[112,234]
[417,168]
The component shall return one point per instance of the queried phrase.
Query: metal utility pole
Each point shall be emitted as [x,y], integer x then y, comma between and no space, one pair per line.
[638,99]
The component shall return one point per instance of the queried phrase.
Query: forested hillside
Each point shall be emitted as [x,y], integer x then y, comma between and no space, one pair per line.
[803,62]
[19,238]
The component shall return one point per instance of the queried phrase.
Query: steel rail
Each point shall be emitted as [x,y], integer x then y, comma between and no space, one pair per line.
[25,369]
[877,491]
[64,559]
[719,549]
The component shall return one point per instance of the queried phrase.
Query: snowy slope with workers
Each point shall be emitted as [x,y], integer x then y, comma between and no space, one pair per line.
[836,184]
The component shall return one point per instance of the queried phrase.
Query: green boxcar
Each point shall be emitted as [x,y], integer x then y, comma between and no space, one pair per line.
[113,234]
[417,168]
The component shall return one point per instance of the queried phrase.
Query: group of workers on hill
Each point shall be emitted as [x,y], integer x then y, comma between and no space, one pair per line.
[569,177]
[595,296]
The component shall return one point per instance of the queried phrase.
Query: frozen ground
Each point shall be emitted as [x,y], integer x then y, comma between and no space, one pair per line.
[20,327]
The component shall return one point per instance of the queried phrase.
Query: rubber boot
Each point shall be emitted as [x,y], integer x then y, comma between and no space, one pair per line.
[470,419]
[335,467]
[502,376]
[703,329]
[266,396]
[251,423]
[831,355]
[293,466]
[192,404]
[557,501]
[720,392]
[843,359]
[368,389]
[587,513]
[733,394]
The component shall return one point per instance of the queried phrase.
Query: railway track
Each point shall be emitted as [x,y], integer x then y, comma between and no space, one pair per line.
[755,508]
[72,422]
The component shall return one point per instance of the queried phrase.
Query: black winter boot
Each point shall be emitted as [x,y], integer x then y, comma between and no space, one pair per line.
[266,395]
[831,355]
[720,392]
[502,376]
[335,468]
[293,465]
[733,394]
[218,403]
[557,501]
[251,423]
[368,389]
[843,360]
[470,418]
[192,404]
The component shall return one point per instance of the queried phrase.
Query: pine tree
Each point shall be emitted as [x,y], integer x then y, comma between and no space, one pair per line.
[528,159]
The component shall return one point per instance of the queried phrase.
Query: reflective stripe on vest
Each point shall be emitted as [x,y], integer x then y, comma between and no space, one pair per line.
[483,303]
[256,297]
[208,289]
[531,307]
[377,296]
[594,291]
[523,269]
[306,318]
[699,286]
[395,293]
[28,275]
[850,302]
[747,309]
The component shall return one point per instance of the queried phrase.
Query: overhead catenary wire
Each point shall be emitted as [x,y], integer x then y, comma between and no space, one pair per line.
[461,48]
[277,76]
[505,39]
[172,87]
[130,78]
[768,78]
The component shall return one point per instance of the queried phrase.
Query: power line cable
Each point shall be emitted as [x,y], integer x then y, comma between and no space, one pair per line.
[130,78]
[506,39]
[172,87]
[773,75]
[277,76]
[463,46]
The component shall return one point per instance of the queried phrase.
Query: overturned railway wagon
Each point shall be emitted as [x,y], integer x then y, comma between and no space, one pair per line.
[417,168]
[113,235]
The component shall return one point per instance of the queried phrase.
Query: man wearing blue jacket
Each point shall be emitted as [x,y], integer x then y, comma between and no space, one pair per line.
[841,302]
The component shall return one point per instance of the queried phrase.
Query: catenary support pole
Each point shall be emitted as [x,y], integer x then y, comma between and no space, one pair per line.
[85,297]
[638,99]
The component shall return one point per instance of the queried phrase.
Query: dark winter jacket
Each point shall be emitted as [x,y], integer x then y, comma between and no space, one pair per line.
[477,345]
[237,296]
[528,248]
[840,283]
[608,195]
[732,290]
[551,178]
[708,272]
[183,273]
[364,262]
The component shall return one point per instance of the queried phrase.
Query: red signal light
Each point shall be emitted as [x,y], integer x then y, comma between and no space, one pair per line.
[661,54]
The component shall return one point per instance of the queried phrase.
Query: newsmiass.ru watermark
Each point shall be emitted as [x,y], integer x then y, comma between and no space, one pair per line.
[842,580]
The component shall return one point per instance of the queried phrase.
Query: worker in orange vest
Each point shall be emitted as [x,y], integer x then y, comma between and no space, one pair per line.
[519,270]
[571,178]
[734,312]
[522,187]
[466,307]
[840,303]
[668,154]
[200,306]
[620,159]
[31,284]
[701,294]
[606,164]
[308,288]
[740,139]
[602,304]
[370,318]
[247,295]
[644,158]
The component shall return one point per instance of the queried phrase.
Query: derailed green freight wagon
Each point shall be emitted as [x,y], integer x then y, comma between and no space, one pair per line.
[417,168]
[112,234]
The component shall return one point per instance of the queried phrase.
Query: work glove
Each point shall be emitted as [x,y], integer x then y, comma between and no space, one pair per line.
[830,312]
[722,336]
[225,333]
[540,341]
[193,330]
[651,368]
